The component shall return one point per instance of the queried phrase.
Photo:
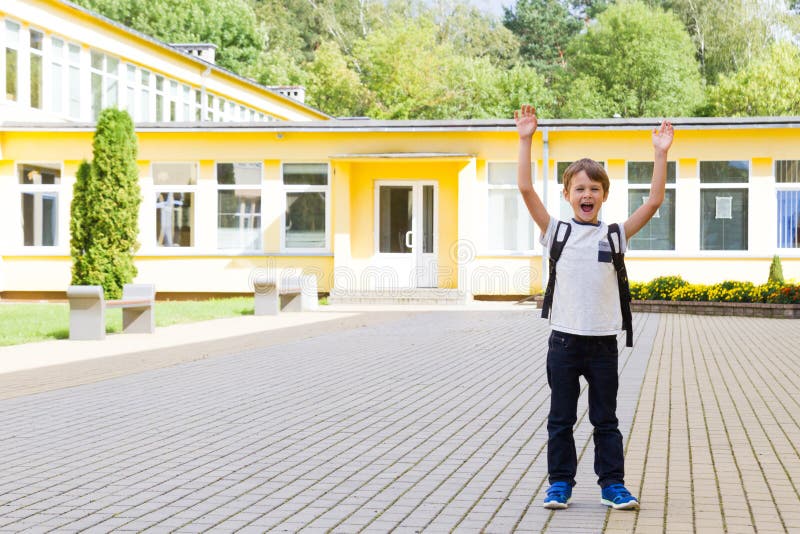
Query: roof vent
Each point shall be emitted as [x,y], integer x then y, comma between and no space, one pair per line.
[204,51]
[295,92]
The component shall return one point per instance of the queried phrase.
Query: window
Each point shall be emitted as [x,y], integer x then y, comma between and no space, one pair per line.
[239,206]
[57,71]
[159,98]
[105,87]
[787,176]
[36,39]
[39,185]
[187,103]
[130,90]
[659,232]
[174,185]
[173,101]
[74,58]
[209,115]
[510,226]
[198,105]
[12,60]
[144,98]
[306,187]
[723,209]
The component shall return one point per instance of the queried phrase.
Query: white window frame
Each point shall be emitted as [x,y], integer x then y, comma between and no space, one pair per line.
[784,186]
[62,234]
[175,188]
[7,43]
[58,89]
[74,67]
[521,204]
[163,108]
[233,187]
[724,185]
[646,187]
[43,94]
[131,91]
[105,79]
[286,189]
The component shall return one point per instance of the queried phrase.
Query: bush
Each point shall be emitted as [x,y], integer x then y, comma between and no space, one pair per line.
[731,291]
[693,292]
[661,288]
[776,270]
[728,291]
[105,208]
[788,294]
[638,290]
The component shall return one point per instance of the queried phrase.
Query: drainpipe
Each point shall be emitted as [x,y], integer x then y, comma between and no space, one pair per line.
[545,169]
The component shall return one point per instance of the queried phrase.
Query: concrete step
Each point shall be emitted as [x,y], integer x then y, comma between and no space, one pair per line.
[400,296]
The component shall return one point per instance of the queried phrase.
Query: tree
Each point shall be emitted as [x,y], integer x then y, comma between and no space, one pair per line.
[544,28]
[766,87]
[638,61]
[728,34]
[105,208]
[229,24]
[334,86]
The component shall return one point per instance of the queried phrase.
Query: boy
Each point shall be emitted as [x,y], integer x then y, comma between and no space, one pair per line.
[585,317]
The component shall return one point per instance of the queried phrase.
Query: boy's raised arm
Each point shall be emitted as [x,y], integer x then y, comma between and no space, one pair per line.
[526,121]
[662,140]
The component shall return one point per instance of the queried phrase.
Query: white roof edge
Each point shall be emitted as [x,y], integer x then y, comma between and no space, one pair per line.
[411,126]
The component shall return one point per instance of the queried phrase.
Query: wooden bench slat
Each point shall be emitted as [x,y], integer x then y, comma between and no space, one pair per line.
[128,303]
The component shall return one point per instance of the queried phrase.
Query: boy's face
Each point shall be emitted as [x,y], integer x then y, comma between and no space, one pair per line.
[586,197]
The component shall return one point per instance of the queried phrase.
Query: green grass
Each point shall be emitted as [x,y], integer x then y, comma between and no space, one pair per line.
[24,322]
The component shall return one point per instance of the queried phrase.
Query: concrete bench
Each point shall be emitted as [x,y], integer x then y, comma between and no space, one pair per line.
[87,310]
[287,293]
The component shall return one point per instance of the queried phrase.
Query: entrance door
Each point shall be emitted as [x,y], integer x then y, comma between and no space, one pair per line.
[406,233]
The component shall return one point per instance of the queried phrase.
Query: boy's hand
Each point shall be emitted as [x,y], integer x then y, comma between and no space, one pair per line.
[662,136]
[526,120]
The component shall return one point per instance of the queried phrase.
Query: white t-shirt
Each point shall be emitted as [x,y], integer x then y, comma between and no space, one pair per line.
[586,294]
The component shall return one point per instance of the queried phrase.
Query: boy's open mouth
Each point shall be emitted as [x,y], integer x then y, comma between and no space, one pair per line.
[587,208]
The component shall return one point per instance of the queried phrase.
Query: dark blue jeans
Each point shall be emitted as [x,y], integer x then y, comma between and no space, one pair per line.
[595,357]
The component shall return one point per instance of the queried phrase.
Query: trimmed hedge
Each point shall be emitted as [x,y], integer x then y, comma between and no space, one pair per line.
[676,288]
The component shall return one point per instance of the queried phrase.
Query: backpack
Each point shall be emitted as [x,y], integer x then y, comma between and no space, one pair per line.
[617,257]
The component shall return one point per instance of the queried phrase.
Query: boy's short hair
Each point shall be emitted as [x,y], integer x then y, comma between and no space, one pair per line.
[593,170]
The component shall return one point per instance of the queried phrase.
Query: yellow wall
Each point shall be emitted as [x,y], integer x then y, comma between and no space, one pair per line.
[352,209]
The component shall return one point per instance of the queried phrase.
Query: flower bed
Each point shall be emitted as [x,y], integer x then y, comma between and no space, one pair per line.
[672,294]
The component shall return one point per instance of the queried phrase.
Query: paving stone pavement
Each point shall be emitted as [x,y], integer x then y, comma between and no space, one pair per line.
[433,422]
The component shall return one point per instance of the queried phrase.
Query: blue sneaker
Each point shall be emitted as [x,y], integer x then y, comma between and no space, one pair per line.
[619,498]
[558,495]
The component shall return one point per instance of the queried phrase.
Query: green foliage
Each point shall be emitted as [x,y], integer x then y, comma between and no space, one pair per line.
[544,28]
[695,292]
[640,62]
[675,288]
[776,270]
[105,208]
[731,291]
[767,86]
[788,294]
[637,290]
[661,288]
[334,86]
[229,24]
[729,34]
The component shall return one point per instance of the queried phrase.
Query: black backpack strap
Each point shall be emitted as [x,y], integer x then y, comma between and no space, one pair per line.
[622,281]
[555,252]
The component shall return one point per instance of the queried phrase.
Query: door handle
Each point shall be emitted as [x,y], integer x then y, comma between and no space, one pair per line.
[408,238]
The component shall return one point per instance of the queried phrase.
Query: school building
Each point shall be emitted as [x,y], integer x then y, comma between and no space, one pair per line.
[237,178]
